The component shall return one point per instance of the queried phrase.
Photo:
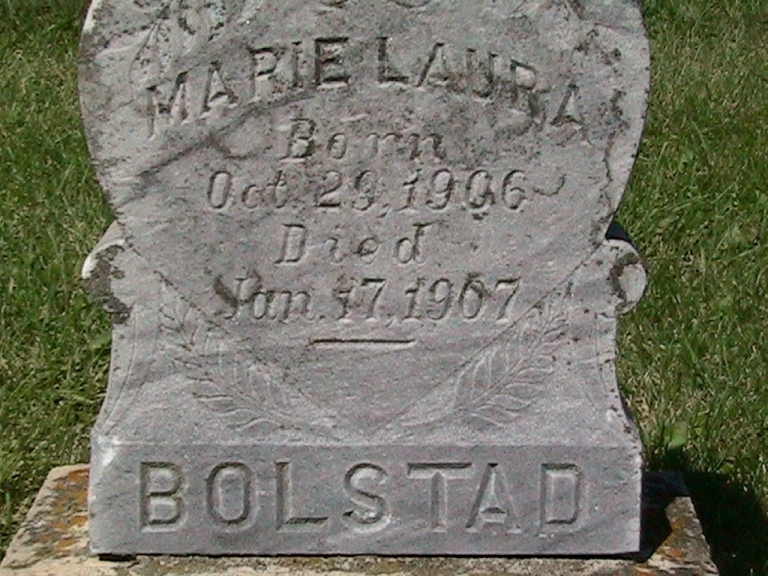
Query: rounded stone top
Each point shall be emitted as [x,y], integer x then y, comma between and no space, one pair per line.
[299,144]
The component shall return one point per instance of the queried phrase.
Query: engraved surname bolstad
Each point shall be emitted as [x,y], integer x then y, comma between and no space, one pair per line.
[453,497]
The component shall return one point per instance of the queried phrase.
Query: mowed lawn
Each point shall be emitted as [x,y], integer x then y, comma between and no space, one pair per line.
[693,358]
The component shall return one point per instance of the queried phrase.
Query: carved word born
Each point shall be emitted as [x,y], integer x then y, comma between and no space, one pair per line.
[234,497]
[275,73]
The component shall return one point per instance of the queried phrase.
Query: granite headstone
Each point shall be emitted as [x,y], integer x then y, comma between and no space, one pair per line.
[363,295]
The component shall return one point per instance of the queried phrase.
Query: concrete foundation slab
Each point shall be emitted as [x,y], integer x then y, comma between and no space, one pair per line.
[53,541]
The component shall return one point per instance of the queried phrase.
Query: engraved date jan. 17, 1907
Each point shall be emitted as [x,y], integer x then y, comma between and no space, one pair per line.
[375,299]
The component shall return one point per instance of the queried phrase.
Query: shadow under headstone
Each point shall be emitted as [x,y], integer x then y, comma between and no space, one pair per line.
[732,518]
[734,522]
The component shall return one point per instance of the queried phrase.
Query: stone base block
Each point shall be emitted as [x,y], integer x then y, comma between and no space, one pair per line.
[53,541]
[385,500]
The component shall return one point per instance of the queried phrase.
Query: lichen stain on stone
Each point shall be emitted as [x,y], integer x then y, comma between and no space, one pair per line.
[675,553]
[63,545]
[676,524]
[71,495]
[79,520]
[67,504]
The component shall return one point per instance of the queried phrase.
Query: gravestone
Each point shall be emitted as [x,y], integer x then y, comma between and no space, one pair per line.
[363,295]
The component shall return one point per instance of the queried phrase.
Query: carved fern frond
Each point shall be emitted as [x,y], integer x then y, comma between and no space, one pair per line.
[505,379]
[185,340]
[500,381]
[250,395]
[177,28]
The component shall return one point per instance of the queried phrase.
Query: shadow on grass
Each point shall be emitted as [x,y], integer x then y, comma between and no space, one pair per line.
[733,520]
[734,523]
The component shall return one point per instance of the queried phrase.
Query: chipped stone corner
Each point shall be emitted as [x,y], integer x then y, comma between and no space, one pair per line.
[98,271]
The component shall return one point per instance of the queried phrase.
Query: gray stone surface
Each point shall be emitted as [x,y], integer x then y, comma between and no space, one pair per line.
[363,297]
[53,541]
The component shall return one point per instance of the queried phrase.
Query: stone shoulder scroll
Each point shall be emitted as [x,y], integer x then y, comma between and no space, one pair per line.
[363,291]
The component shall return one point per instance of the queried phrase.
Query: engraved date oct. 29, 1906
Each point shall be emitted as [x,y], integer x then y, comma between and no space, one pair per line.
[434,190]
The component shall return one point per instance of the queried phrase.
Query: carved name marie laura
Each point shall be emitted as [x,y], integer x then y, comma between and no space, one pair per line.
[277,73]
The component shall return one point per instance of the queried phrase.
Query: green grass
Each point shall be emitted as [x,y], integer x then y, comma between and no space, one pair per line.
[53,351]
[693,362]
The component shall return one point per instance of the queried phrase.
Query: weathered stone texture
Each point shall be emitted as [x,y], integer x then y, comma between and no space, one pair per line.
[363,295]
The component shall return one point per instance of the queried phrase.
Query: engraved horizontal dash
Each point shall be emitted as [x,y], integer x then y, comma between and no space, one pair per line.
[390,343]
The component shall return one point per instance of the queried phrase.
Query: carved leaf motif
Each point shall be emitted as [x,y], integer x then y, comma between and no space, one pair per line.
[178,26]
[167,31]
[219,403]
[186,341]
[295,408]
[228,393]
[154,54]
[505,379]
[500,381]
[252,396]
